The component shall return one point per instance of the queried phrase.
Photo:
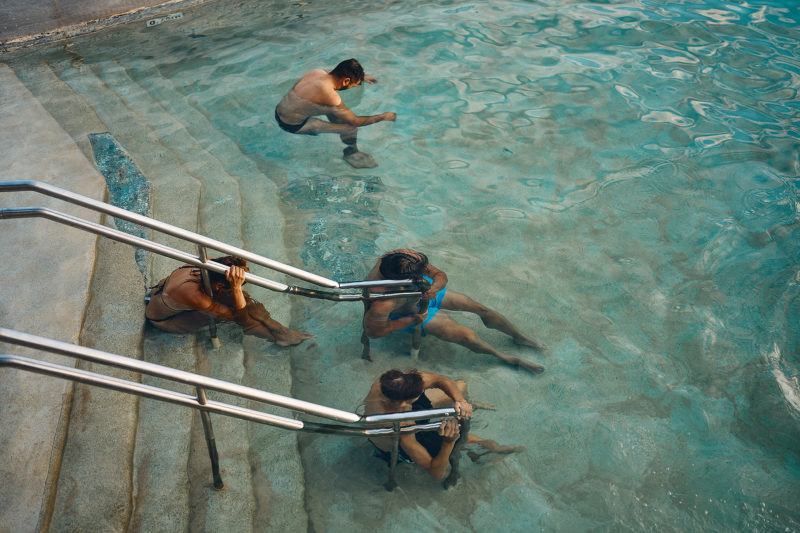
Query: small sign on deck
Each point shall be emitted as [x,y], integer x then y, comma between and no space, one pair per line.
[155,22]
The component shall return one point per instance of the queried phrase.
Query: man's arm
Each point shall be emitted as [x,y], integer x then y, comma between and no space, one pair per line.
[378,324]
[439,280]
[341,114]
[449,387]
[435,466]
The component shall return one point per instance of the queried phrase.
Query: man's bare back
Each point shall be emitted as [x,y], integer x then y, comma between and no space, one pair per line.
[314,94]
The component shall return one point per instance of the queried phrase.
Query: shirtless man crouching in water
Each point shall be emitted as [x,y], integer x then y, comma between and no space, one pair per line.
[396,392]
[315,94]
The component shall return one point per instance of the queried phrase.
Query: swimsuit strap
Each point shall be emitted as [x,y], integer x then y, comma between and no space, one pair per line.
[160,292]
[359,406]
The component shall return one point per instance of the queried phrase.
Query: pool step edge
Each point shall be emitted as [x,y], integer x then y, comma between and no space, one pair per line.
[47,265]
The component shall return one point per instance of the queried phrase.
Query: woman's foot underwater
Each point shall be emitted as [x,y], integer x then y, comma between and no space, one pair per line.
[530,366]
[292,338]
[524,340]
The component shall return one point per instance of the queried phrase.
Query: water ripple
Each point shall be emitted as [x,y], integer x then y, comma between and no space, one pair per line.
[626,173]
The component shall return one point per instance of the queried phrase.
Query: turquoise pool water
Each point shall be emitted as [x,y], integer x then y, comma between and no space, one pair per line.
[619,178]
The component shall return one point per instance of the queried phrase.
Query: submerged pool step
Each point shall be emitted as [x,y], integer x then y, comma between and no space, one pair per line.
[200,126]
[67,107]
[161,484]
[277,471]
[170,473]
[232,508]
[174,191]
[220,204]
[219,216]
[94,487]
[262,221]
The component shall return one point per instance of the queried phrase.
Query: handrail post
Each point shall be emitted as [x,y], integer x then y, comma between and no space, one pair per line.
[455,455]
[212,322]
[210,441]
[391,483]
[364,339]
[416,338]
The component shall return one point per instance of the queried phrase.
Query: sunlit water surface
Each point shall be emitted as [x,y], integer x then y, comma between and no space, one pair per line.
[620,179]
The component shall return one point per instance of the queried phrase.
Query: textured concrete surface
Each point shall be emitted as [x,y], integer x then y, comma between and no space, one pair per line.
[61,261]
[24,21]
[94,482]
[143,466]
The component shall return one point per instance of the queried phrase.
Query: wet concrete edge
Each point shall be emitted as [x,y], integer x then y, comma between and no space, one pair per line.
[93,26]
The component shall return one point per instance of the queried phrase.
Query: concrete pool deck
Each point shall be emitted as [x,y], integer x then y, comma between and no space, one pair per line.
[28,22]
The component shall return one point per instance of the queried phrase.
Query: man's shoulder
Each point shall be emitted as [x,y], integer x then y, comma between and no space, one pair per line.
[317,89]
[372,403]
[314,74]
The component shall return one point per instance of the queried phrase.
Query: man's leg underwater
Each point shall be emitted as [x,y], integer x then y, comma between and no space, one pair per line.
[440,400]
[455,301]
[449,330]
[347,133]
[490,446]
[351,153]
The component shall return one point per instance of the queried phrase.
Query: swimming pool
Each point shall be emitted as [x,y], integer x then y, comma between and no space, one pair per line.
[620,179]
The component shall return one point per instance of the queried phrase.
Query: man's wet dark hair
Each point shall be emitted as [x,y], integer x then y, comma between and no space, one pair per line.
[401,386]
[349,68]
[400,265]
[228,260]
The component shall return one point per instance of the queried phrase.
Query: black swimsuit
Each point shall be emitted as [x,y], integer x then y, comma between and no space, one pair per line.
[430,440]
[291,128]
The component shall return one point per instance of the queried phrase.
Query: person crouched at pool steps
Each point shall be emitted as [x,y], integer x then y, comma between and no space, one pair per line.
[382,317]
[396,392]
[180,304]
[316,94]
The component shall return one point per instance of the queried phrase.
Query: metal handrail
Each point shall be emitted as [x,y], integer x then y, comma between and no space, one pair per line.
[196,260]
[356,424]
[186,235]
[235,411]
[96,356]
[190,236]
